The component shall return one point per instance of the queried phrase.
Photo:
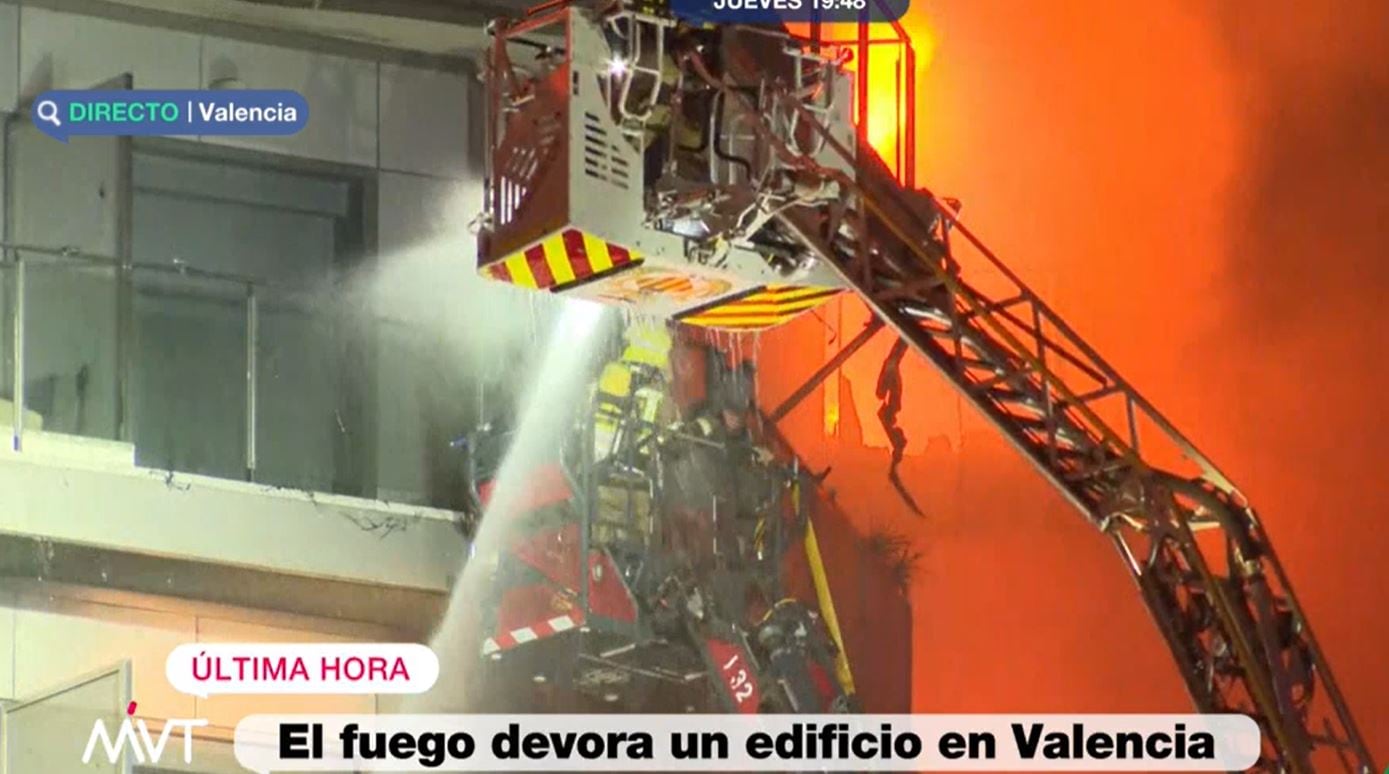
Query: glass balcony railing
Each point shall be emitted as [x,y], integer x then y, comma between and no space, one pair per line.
[209,373]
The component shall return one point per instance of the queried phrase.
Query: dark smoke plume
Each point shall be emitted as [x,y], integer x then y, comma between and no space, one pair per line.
[1310,243]
[1307,273]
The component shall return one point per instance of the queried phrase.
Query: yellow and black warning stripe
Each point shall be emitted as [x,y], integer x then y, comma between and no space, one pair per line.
[758,308]
[565,258]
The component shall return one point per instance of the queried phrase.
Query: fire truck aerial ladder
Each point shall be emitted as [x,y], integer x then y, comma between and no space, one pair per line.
[714,174]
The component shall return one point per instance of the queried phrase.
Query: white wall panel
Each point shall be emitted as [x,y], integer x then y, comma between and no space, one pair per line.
[49,641]
[220,522]
[9,96]
[9,56]
[7,639]
[67,51]
[3,192]
[424,121]
[63,640]
[341,94]
[40,734]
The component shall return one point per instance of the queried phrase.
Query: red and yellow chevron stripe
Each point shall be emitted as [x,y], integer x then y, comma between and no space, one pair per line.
[564,258]
[762,307]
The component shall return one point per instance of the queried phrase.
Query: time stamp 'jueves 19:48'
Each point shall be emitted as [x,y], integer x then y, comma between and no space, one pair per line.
[788,5]
[774,12]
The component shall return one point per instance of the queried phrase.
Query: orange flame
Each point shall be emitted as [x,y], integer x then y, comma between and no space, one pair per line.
[886,116]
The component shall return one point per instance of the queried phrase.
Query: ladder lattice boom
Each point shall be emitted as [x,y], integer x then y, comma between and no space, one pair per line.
[1191,541]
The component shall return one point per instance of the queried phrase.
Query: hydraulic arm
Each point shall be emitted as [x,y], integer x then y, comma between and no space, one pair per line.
[1191,541]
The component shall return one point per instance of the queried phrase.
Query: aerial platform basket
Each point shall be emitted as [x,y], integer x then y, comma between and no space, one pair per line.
[566,207]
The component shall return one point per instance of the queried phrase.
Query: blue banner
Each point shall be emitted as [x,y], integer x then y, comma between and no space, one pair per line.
[783,11]
[64,114]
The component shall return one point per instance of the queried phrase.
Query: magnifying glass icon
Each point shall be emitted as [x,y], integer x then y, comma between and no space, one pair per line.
[47,110]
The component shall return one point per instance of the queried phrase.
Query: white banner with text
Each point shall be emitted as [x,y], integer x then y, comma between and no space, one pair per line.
[267,743]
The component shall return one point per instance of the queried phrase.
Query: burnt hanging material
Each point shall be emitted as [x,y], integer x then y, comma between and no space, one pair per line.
[890,393]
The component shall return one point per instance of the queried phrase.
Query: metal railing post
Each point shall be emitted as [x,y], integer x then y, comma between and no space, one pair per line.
[252,334]
[17,394]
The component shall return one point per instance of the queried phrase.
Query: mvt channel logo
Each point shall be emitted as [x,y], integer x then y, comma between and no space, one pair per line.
[136,734]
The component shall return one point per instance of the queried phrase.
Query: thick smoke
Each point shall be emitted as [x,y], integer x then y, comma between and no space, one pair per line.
[1306,273]
[1311,210]
[451,346]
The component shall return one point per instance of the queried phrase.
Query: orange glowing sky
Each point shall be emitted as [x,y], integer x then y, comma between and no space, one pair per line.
[1204,193]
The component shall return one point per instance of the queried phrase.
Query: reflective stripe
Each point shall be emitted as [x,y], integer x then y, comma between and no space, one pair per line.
[493,646]
[557,257]
[772,305]
[560,260]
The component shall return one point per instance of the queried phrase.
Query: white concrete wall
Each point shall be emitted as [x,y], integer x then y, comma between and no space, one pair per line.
[9,83]
[341,94]
[425,120]
[46,641]
[3,117]
[226,523]
[8,600]
[9,56]
[63,51]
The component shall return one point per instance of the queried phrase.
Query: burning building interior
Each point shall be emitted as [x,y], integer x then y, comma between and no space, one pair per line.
[645,364]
